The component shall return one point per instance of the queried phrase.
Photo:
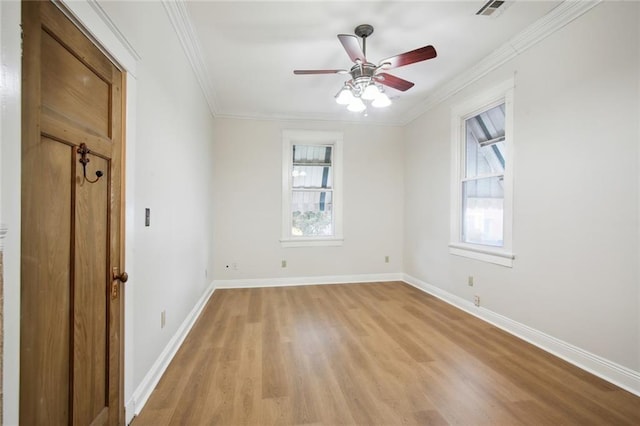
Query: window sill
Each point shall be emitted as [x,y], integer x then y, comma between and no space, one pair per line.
[495,256]
[311,242]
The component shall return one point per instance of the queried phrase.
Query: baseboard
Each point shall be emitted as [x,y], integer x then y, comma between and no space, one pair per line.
[618,375]
[610,371]
[143,391]
[295,281]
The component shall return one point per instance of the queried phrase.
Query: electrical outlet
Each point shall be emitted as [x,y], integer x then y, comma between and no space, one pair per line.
[470,281]
[476,300]
[163,318]
[284,263]
[386,259]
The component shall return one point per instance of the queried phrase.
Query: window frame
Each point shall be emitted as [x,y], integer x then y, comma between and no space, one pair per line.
[318,138]
[502,93]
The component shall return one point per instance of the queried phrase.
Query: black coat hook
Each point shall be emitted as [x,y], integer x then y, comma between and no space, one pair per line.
[84,151]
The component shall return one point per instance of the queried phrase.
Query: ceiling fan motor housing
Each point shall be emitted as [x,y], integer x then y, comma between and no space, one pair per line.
[367,80]
[361,71]
[362,75]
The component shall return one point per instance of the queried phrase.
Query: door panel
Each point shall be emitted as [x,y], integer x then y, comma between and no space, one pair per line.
[45,375]
[71,343]
[91,293]
[70,87]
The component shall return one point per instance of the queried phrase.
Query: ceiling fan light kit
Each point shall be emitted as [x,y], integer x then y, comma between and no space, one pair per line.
[356,105]
[367,79]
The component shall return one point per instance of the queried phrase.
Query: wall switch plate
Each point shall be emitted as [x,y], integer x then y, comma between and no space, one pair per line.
[470,281]
[386,259]
[284,264]
[147,217]
[163,319]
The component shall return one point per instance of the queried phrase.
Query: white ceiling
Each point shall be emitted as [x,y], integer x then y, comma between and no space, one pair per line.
[250,49]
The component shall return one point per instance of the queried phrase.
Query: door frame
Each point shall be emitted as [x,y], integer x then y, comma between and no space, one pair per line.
[101,29]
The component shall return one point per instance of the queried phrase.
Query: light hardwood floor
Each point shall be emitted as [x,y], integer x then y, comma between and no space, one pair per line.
[369,354]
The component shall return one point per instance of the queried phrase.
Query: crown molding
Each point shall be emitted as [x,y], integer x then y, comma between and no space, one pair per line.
[114,28]
[179,17]
[310,119]
[96,24]
[562,15]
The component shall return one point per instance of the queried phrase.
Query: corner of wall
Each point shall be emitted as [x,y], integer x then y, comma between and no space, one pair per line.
[618,375]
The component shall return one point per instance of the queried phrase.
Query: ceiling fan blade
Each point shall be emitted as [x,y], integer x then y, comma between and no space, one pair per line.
[352,46]
[407,58]
[309,72]
[393,81]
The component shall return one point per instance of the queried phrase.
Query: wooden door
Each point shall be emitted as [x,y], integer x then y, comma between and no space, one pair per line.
[71,310]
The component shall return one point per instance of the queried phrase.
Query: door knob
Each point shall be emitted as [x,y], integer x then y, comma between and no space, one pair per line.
[123,277]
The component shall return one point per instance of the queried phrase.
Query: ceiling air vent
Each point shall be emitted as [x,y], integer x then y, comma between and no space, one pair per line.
[490,7]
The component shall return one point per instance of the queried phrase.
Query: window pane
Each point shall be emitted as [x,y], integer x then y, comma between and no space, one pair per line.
[485,153]
[312,177]
[311,154]
[483,211]
[312,213]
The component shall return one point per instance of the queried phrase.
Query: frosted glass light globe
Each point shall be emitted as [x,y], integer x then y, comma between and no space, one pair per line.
[381,101]
[357,105]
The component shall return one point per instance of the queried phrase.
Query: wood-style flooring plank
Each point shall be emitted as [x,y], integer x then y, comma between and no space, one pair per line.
[368,354]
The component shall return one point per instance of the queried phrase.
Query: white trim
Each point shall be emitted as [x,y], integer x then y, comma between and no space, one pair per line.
[488,255]
[556,19]
[638,188]
[3,233]
[129,241]
[179,17]
[562,15]
[91,17]
[608,370]
[345,117]
[299,281]
[319,242]
[500,93]
[10,176]
[151,379]
[311,137]
[114,30]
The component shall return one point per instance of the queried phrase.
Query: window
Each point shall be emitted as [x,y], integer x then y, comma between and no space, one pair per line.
[311,185]
[482,178]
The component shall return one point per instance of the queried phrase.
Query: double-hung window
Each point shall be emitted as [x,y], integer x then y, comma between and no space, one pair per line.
[311,185]
[481,207]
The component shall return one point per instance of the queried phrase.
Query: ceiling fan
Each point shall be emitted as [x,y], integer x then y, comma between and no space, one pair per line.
[366,77]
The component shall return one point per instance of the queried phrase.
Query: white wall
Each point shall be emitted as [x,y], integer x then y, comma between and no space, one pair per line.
[168,170]
[247,165]
[10,202]
[576,218]
[638,189]
[172,259]
[576,226]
